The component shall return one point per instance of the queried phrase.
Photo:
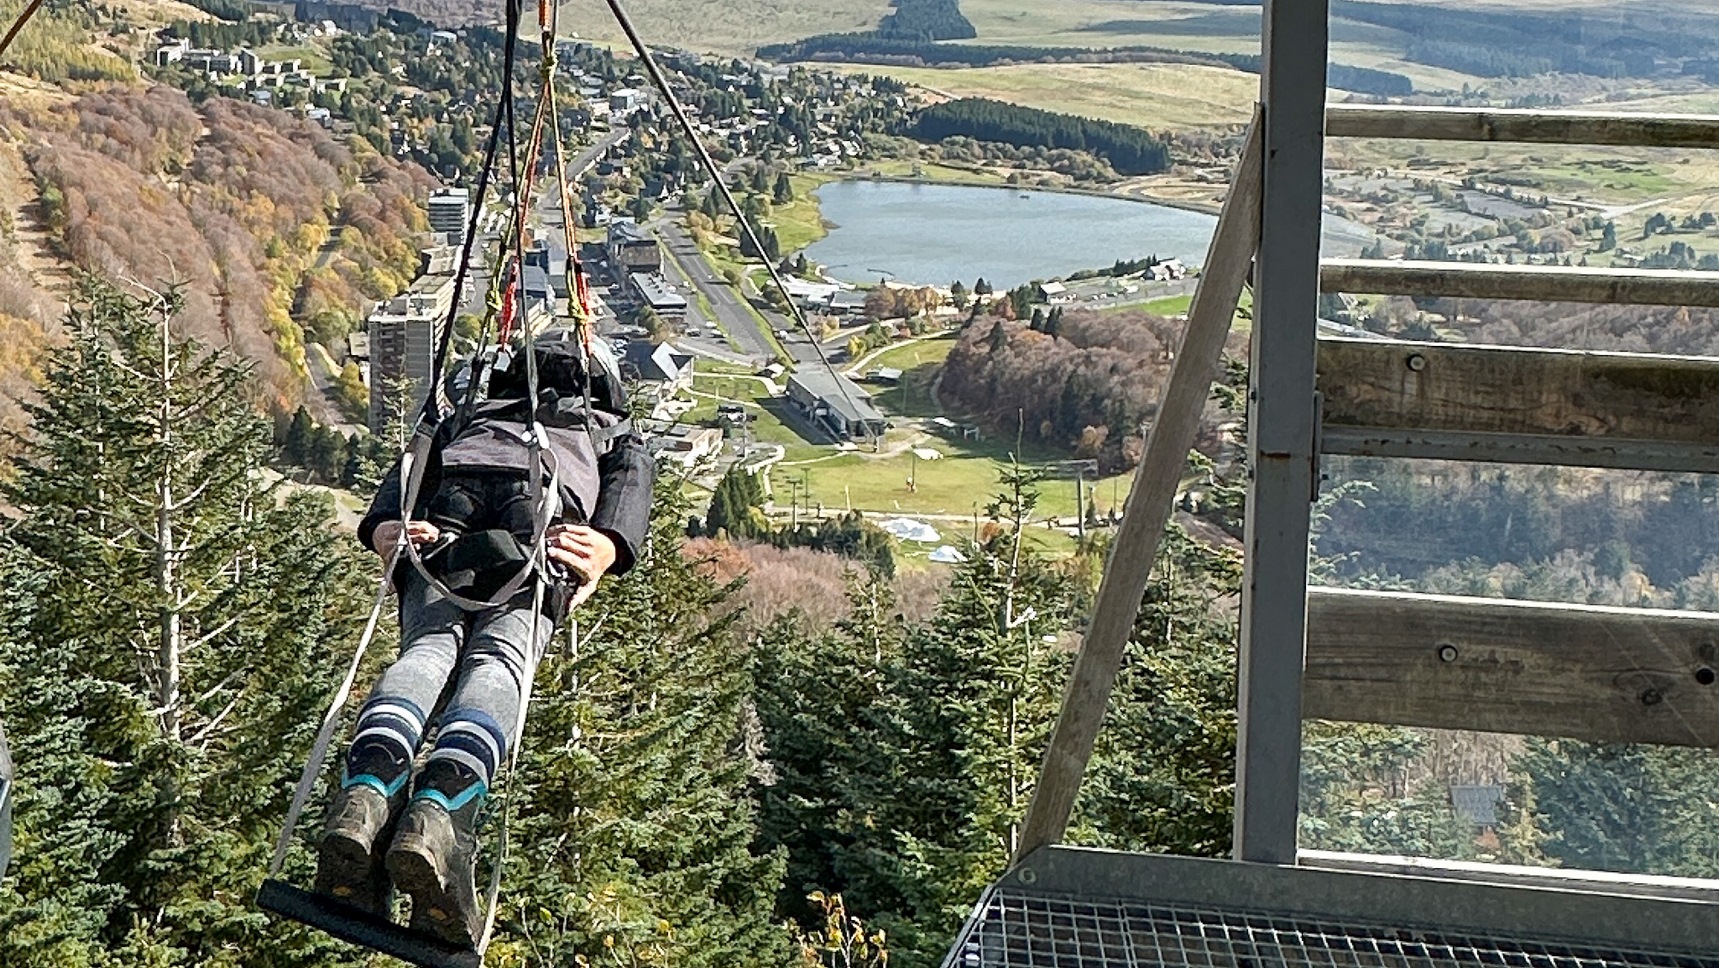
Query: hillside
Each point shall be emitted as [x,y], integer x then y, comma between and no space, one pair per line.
[263,221]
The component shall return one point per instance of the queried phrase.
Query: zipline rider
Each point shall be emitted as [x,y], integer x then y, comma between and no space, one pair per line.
[475,527]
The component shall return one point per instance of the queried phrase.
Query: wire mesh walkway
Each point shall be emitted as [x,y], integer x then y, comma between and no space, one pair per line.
[1015,929]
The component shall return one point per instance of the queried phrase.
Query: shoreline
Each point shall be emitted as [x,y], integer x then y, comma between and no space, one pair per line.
[1185,205]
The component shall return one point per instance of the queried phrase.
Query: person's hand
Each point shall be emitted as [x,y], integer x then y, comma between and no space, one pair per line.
[584,550]
[387,534]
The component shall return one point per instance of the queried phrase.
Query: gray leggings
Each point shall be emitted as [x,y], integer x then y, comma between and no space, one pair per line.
[473,665]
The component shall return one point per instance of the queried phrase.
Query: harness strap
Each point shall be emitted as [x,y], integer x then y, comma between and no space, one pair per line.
[331,719]
[546,507]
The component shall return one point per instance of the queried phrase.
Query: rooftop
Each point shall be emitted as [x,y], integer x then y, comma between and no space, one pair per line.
[656,292]
[628,232]
[839,393]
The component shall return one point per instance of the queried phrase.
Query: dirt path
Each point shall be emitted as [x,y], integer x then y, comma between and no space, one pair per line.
[28,242]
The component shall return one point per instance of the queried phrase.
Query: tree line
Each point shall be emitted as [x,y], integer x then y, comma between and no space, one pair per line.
[1085,382]
[927,20]
[1496,42]
[912,23]
[1129,150]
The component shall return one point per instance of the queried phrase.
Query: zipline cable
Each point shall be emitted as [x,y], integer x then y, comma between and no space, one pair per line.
[439,363]
[18,25]
[661,82]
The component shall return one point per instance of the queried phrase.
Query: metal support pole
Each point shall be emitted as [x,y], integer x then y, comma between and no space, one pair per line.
[1282,421]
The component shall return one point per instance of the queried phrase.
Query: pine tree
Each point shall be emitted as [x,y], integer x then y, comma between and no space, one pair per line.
[736,506]
[297,442]
[167,646]
[1163,771]
[636,832]
[784,190]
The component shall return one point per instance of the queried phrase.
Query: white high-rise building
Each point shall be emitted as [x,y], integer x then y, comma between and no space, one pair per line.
[450,208]
[404,332]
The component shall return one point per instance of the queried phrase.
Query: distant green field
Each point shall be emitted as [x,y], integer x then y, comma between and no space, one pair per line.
[899,168]
[315,58]
[963,482]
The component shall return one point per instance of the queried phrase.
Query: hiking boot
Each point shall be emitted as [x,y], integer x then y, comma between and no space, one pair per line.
[349,863]
[432,860]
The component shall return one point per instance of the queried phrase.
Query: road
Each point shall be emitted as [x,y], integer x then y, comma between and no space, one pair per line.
[732,314]
[590,156]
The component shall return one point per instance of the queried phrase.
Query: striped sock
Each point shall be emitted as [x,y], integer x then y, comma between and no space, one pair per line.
[469,750]
[389,729]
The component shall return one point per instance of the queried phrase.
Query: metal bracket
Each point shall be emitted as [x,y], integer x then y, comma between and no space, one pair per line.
[1318,457]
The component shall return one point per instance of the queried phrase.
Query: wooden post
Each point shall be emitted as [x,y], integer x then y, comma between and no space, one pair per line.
[1522,126]
[1467,280]
[1228,262]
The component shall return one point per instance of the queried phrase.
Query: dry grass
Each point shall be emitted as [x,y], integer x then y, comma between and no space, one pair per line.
[1157,96]
[724,26]
[157,13]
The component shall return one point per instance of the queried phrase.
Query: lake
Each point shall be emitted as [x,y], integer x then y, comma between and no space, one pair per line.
[934,234]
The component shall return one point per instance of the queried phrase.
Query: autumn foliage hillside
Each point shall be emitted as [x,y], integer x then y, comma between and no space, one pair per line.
[269,224]
[1086,381]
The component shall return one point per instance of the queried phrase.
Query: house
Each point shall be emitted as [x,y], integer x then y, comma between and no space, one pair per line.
[539,291]
[1167,271]
[1052,292]
[848,302]
[626,100]
[836,404]
[172,53]
[664,364]
[684,444]
[811,295]
[652,290]
[632,249]
[550,255]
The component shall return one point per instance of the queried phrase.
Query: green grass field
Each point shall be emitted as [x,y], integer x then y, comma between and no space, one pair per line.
[1158,96]
[947,174]
[768,418]
[800,222]
[964,481]
[315,58]
[910,357]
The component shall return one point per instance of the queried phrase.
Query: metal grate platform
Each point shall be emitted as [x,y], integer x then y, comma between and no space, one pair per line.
[1011,929]
[1072,907]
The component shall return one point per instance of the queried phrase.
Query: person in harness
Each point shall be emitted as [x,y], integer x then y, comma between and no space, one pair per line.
[471,633]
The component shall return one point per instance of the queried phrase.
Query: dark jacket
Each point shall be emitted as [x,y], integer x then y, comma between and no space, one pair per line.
[626,475]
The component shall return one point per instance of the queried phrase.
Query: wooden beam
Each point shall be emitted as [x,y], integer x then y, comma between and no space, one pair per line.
[1702,890]
[1228,262]
[1589,672]
[1526,126]
[1475,402]
[1467,280]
